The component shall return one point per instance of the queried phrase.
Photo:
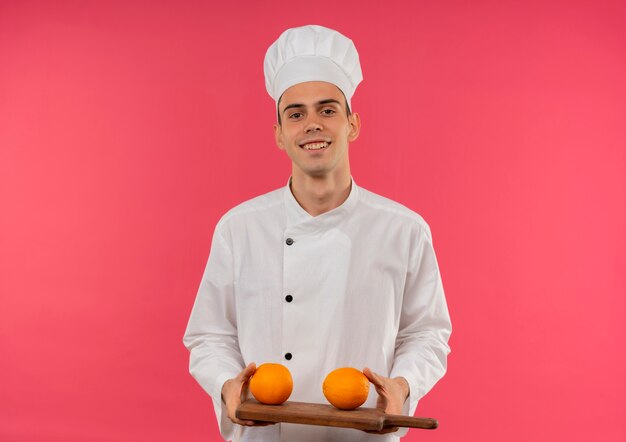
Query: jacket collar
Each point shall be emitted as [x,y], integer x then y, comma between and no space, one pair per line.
[297,216]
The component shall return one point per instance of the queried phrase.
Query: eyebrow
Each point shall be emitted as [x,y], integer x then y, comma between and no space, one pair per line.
[321,102]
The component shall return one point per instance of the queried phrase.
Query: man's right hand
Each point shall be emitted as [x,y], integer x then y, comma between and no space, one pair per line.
[232,393]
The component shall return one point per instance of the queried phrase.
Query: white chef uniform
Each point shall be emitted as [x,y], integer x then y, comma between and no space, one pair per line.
[356,286]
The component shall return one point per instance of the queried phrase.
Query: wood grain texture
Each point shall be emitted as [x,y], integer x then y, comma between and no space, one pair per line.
[326,415]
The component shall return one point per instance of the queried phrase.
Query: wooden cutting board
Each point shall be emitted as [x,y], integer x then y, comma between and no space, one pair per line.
[322,414]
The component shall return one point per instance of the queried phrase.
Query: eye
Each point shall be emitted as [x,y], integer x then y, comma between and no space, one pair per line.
[295,115]
[328,112]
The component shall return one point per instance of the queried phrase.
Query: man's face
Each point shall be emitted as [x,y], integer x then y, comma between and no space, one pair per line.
[316,130]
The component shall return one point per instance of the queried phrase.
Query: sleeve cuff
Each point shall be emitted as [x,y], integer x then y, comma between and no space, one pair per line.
[227,428]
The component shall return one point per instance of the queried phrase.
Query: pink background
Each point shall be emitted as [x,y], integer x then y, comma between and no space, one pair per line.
[127,130]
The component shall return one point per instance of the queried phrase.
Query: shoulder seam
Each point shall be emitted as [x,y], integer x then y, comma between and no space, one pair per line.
[239,211]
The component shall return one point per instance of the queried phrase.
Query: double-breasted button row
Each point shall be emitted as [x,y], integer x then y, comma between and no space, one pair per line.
[289,298]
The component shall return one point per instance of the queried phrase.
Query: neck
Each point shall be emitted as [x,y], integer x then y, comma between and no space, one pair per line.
[318,195]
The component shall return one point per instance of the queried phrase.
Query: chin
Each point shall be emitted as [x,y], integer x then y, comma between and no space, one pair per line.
[315,173]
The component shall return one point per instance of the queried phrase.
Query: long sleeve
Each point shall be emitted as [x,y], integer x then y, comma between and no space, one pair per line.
[211,335]
[424,329]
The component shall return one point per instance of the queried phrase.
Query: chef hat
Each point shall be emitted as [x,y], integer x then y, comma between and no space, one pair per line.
[311,53]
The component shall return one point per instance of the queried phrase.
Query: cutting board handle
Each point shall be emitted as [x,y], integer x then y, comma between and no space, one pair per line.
[396,420]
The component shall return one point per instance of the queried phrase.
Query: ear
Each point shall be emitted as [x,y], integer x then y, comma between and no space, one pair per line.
[278,136]
[355,126]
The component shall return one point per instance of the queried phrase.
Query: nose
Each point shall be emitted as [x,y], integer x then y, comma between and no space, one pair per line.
[312,125]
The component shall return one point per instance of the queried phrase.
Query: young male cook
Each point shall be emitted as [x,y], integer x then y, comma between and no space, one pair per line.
[321,273]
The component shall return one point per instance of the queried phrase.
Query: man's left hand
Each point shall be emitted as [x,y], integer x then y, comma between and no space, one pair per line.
[391,395]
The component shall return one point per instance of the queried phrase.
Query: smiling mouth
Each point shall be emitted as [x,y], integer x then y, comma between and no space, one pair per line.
[315,146]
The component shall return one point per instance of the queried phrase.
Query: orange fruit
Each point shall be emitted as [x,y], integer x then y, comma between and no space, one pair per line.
[346,388]
[271,384]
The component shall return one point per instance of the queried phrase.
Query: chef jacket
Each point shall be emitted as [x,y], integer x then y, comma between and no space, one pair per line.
[356,286]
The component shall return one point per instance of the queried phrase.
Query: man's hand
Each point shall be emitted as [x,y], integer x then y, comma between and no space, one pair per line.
[232,393]
[391,395]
